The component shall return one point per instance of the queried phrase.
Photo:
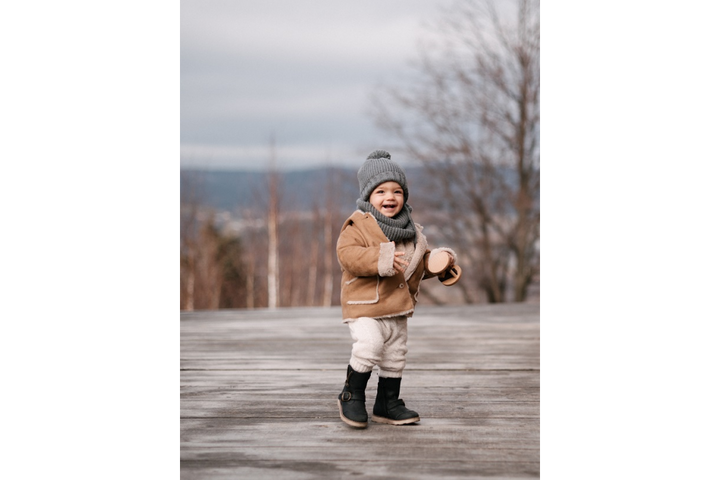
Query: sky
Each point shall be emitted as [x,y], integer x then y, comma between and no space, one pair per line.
[296,75]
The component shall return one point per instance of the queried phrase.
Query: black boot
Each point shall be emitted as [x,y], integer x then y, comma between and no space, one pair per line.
[388,408]
[351,400]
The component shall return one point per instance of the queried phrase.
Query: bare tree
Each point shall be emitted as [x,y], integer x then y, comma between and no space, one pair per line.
[330,219]
[212,269]
[250,278]
[255,236]
[273,221]
[190,204]
[472,118]
[207,270]
[328,258]
[314,254]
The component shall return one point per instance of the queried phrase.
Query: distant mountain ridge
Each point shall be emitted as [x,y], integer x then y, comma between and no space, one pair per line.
[230,190]
[300,190]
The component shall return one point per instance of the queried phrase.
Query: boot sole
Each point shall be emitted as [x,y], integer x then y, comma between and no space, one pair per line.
[352,423]
[390,421]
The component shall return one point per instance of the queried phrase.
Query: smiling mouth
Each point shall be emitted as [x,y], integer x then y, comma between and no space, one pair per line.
[389,206]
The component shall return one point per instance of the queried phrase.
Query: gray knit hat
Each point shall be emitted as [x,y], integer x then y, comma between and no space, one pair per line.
[377,169]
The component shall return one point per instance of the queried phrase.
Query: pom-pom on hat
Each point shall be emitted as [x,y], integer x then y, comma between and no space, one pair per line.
[377,169]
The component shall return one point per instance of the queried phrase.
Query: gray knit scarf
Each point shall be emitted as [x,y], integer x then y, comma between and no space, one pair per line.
[398,228]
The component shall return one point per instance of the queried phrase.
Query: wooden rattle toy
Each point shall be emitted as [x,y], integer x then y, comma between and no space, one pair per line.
[441,264]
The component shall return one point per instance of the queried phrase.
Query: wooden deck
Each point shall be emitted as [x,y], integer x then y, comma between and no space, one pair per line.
[259,388]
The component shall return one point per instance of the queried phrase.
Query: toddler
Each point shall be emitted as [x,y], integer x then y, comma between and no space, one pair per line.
[384,256]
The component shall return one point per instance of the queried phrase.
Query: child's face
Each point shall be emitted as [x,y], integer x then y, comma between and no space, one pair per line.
[388,198]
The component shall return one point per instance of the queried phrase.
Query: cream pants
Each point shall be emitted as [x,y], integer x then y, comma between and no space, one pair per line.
[379,342]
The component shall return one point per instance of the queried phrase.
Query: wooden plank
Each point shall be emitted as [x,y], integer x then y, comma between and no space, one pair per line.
[258,396]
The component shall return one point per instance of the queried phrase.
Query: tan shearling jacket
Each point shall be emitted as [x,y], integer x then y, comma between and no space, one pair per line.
[370,285]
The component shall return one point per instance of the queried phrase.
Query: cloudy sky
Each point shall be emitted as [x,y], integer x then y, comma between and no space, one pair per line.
[298,72]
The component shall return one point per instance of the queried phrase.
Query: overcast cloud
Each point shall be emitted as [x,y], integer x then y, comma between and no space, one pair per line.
[299,71]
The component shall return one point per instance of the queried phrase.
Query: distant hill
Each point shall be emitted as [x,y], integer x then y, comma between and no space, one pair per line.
[232,190]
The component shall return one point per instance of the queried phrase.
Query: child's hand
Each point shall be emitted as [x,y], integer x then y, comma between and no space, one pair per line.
[398,263]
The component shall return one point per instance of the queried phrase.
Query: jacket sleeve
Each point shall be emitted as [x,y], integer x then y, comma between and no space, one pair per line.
[362,260]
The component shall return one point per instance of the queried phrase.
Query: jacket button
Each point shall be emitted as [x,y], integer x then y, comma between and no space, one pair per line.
[402,285]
